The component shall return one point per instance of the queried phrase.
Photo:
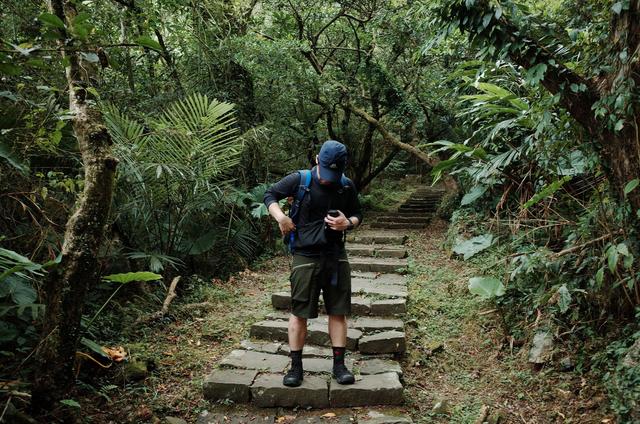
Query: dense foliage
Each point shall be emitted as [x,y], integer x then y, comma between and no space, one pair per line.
[532,107]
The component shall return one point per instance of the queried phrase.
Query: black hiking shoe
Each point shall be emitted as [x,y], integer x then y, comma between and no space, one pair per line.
[293,378]
[343,375]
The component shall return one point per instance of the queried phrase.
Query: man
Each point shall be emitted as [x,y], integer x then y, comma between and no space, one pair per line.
[319,258]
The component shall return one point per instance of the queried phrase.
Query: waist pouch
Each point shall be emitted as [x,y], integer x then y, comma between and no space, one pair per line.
[313,236]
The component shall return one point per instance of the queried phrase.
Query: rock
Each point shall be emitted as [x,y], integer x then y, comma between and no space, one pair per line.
[329,417]
[387,307]
[360,305]
[174,420]
[441,407]
[381,389]
[372,325]
[267,347]
[281,300]
[207,417]
[309,351]
[322,365]
[390,265]
[542,348]
[378,366]
[385,342]
[375,417]
[567,364]
[135,370]
[229,384]
[318,333]
[377,237]
[373,287]
[267,391]
[433,347]
[248,359]
[270,330]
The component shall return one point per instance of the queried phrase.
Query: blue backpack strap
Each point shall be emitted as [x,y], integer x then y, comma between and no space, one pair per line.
[303,188]
[344,181]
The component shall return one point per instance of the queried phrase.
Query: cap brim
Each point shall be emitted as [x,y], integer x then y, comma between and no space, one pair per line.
[329,174]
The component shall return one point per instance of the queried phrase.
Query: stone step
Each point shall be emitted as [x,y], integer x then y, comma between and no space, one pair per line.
[367,287]
[377,237]
[379,251]
[366,325]
[386,278]
[389,341]
[360,305]
[359,263]
[267,391]
[399,225]
[305,417]
[417,207]
[402,218]
[276,330]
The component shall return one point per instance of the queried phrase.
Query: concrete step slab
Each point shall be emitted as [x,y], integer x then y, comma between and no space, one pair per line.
[366,287]
[385,342]
[397,218]
[386,278]
[232,384]
[252,360]
[260,346]
[379,251]
[388,307]
[317,333]
[377,237]
[309,351]
[322,365]
[378,366]
[373,325]
[380,389]
[268,392]
[399,225]
[375,417]
[392,265]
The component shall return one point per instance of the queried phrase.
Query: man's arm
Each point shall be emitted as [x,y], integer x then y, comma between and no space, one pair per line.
[284,188]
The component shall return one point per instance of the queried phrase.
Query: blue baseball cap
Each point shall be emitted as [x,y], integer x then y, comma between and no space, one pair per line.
[332,160]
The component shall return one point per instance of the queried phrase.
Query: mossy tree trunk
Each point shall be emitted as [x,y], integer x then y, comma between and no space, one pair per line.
[67,286]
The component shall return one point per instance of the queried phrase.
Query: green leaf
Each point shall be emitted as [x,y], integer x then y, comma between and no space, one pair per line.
[10,69]
[474,194]
[52,20]
[547,191]
[612,258]
[148,42]
[600,276]
[70,402]
[535,74]
[631,185]
[617,8]
[565,298]
[486,287]
[23,293]
[128,277]
[473,246]
[619,125]
[94,347]
[13,159]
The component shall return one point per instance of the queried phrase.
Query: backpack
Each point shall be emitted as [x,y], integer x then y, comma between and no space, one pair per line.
[303,189]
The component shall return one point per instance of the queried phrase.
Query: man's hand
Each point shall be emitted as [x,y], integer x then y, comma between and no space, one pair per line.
[338,223]
[286,225]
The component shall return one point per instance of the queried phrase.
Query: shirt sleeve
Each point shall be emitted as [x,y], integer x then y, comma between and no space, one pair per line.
[284,188]
[355,209]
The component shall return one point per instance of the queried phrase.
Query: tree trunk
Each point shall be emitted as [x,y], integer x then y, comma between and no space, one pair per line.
[168,59]
[378,170]
[621,158]
[67,286]
[127,55]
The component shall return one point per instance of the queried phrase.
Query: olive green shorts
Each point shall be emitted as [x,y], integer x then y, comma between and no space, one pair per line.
[309,276]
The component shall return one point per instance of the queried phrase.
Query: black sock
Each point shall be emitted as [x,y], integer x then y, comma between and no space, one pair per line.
[338,356]
[296,359]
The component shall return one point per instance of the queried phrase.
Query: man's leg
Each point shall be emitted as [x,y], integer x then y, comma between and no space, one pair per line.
[337,330]
[297,336]
[338,336]
[298,332]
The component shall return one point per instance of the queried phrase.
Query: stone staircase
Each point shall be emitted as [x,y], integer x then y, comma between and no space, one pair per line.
[415,213]
[253,372]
